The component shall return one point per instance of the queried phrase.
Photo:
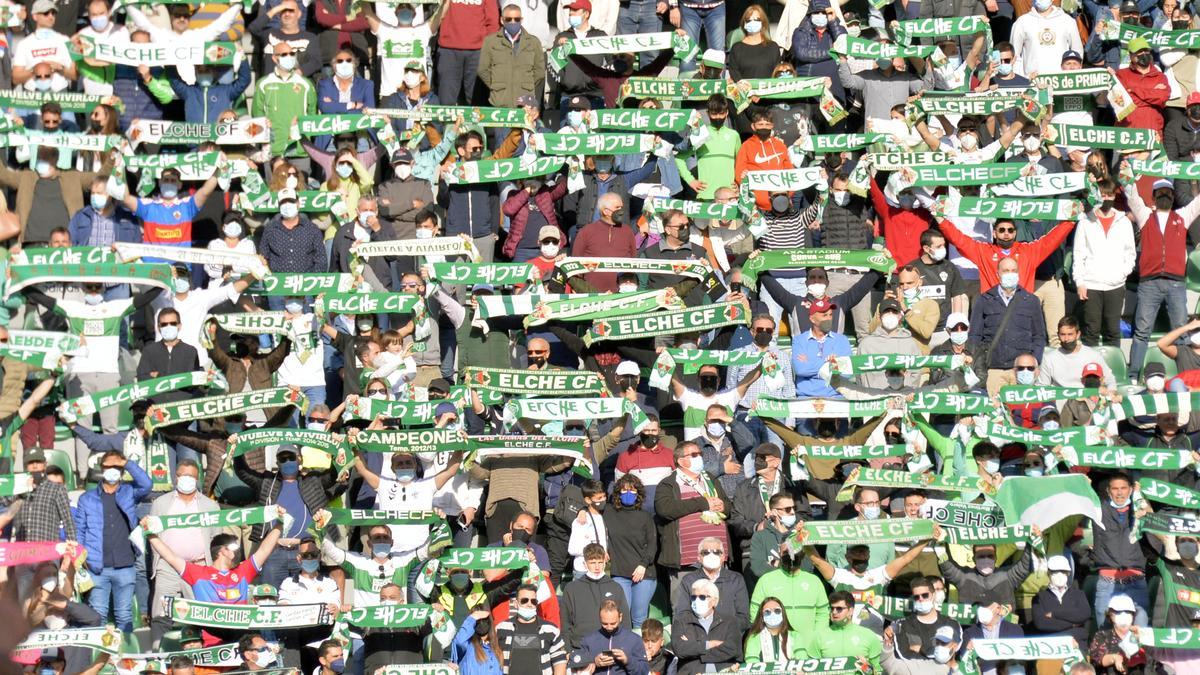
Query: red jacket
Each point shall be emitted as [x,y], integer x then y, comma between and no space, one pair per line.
[1164,253]
[598,239]
[901,228]
[1028,254]
[516,208]
[467,22]
[1150,92]
[759,155]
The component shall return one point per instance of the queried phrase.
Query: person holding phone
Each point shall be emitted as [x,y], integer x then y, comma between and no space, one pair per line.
[614,649]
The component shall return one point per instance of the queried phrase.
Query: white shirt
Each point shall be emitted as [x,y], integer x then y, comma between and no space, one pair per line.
[307,373]
[301,590]
[216,272]
[113,34]
[414,495]
[1040,41]
[590,532]
[391,70]
[39,47]
[192,309]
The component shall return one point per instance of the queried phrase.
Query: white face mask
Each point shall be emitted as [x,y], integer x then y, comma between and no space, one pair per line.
[1122,620]
[289,210]
[696,464]
[627,288]
[968,142]
[1009,280]
[711,561]
[984,615]
[291,182]
[991,466]
[412,79]
[700,607]
[923,606]
[890,321]
[549,250]
[344,70]
[424,233]
[941,654]
[55,622]
[1025,377]
[937,254]
[959,337]
[939,597]
[595,576]
[112,476]
[1058,579]
[817,290]
[841,197]
[232,229]
[870,512]
[50,583]
[787,519]
[1032,144]
[526,612]
[1155,382]
[403,171]
[186,485]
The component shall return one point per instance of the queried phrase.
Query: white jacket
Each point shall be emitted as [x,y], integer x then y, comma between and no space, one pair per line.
[1102,261]
[1040,41]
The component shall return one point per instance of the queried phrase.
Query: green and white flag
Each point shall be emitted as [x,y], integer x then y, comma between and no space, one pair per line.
[165,414]
[785,180]
[1122,457]
[907,31]
[246,617]
[89,404]
[158,55]
[535,382]
[883,530]
[593,144]
[415,441]
[296,284]
[252,131]
[496,274]
[500,170]
[671,322]
[684,47]
[107,639]
[226,518]
[643,120]
[990,208]
[585,307]
[798,258]
[1169,493]
[1046,500]
[1016,394]
[808,408]
[21,277]
[545,409]
[1139,405]
[307,126]
[1105,138]
[967,174]
[1043,185]
[491,558]
[442,246]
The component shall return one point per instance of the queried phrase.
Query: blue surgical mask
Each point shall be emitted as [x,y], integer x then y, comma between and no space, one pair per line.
[99,23]
[991,466]
[405,475]
[953,62]
[753,26]
[289,468]
[169,332]
[700,607]
[287,63]
[344,70]
[99,202]
[1051,425]
[820,20]
[338,666]
[773,619]
[293,306]
[512,28]
[204,79]
[575,20]
[870,512]
[628,498]
[310,566]
[43,84]
[182,284]
[289,210]
[168,190]
[405,17]
[93,299]
[381,549]
[1005,69]
[1025,377]
[575,117]
[344,170]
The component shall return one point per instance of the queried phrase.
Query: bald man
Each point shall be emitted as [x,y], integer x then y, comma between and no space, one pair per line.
[609,237]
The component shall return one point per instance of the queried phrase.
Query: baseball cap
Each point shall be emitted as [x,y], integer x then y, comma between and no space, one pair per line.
[768,450]
[1193,98]
[822,305]
[1071,55]
[628,368]
[890,305]
[945,635]
[585,5]
[1045,411]
[1154,368]
[482,287]
[527,100]
[1092,368]
[1058,563]
[818,6]
[957,319]
[1136,45]
[35,455]
[1163,184]
[402,156]
[189,634]
[43,6]
[439,385]
[265,591]
[288,195]
[549,232]
[446,408]
[414,65]
[1121,603]
[579,103]
[713,57]
[1129,7]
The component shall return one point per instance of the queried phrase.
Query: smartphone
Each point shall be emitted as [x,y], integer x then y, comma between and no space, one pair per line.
[607,652]
[735,287]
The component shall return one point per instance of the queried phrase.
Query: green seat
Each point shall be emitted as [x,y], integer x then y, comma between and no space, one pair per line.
[1114,358]
[1155,355]
[62,459]
[1193,271]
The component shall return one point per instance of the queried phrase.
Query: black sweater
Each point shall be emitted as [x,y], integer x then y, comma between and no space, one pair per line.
[632,540]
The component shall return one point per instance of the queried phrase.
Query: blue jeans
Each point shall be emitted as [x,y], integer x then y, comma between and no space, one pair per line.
[639,16]
[280,565]
[637,596]
[713,21]
[1134,587]
[114,590]
[1151,295]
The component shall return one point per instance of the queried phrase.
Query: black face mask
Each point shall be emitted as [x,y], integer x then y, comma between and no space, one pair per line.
[763,134]
[618,216]
[893,439]
[476,155]
[538,361]
[1091,382]
[763,339]
[520,536]
[37,476]
[709,383]
[1181,25]
[627,383]
[717,122]
[1164,202]
[649,440]
[780,203]
[620,66]
[1143,60]
[859,566]
[483,627]
[760,463]
[1069,346]
[1193,112]
[1106,204]
[95,125]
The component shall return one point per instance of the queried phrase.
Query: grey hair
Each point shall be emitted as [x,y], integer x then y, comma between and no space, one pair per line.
[679,449]
[707,588]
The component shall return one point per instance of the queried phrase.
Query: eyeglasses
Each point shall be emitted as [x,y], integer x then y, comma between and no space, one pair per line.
[375,390]
[786,509]
[164,324]
[700,597]
[512,19]
[922,596]
[837,609]
[1006,230]
[310,556]
[711,552]
[772,612]
[763,330]
[1025,368]
[874,503]
[526,601]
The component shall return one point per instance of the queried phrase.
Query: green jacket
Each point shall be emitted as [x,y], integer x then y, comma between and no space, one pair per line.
[281,100]
[850,640]
[764,553]
[802,595]
[508,72]
[714,161]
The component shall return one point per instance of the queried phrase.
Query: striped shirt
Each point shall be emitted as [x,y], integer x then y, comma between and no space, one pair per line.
[550,644]
[788,229]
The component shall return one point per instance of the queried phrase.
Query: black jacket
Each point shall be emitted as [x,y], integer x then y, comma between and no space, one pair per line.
[749,510]
[1111,548]
[158,361]
[847,226]
[571,79]
[689,642]
[1025,331]
[1068,616]
[580,607]
[339,254]
[735,599]
[316,489]
[999,586]
[669,508]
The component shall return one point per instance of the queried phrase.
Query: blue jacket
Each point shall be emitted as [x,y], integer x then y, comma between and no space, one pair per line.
[203,105]
[89,513]
[328,96]
[810,51]
[625,640]
[139,102]
[125,224]
[462,652]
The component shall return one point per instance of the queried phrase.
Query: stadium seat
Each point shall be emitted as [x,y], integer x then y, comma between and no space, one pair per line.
[62,459]
[1155,355]
[1114,358]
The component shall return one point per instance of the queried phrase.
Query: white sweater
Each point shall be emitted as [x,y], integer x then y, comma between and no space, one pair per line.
[1040,41]
[1102,261]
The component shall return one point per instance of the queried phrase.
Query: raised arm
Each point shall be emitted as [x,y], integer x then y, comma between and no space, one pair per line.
[893,568]
[269,541]
[452,468]
[823,566]
[163,550]
[369,477]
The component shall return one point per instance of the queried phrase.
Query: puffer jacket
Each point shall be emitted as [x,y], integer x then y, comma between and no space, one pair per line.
[515,207]
[999,586]
[89,513]
[1025,332]
[847,226]
[139,102]
[810,53]
[510,73]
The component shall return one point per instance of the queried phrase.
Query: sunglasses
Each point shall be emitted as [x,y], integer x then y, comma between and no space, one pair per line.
[526,601]
[310,556]
[538,352]
[1006,230]
[922,596]
[168,323]
[1026,368]
[700,597]
[344,61]
[376,391]
[711,552]
[512,19]
[837,609]
[772,612]
[316,420]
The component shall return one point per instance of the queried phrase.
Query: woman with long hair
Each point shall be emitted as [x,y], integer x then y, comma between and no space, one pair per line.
[474,648]
[771,638]
[756,55]
[349,179]
[103,121]
[632,545]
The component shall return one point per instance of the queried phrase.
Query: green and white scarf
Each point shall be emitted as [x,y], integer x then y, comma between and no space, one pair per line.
[692,359]
[331,444]
[199,256]
[421,669]
[821,144]
[1158,39]
[1004,433]
[865,476]
[860,48]
[50,361]
[491,306]
[968,536]
[491,558]
[955,103]
[73,255]
[68,101]
[253,131]
[643,120]
[496,274]
[809,408]
[1089,81]
[21,277]
[296,284]
[1165,168]
[159,55]
[307,126]
[571,447]
[43,341]
[883,530]
[475,116]
[967,174]
[593,144]
[896,608]
[570,267]
[221,519]
[88,404]
[220,656]
[849,366]
[586,307]
[544,409]
[408,413]
[1106,138]
[208,407]
[795,258]
[785,180]
[63,141]
[1027,649]
[535,382]
[893,161]
[851,451]
[308,201]
[107,640]
[1042,185]
[443,246]
[948,403]
[1155,404]
[367,517]
[1159,523]
[500,170]
[1018,209]
[1016,394]
[388,617]
[684,47]
[1169,638]
[1122,457]
[416,441]
[1169,493]
[675,89]
[907,31]
[670,322]
[369,303]
[247,617]
[266,323]
[962,514]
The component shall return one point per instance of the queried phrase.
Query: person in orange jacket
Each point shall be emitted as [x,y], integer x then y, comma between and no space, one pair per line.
[762,152]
